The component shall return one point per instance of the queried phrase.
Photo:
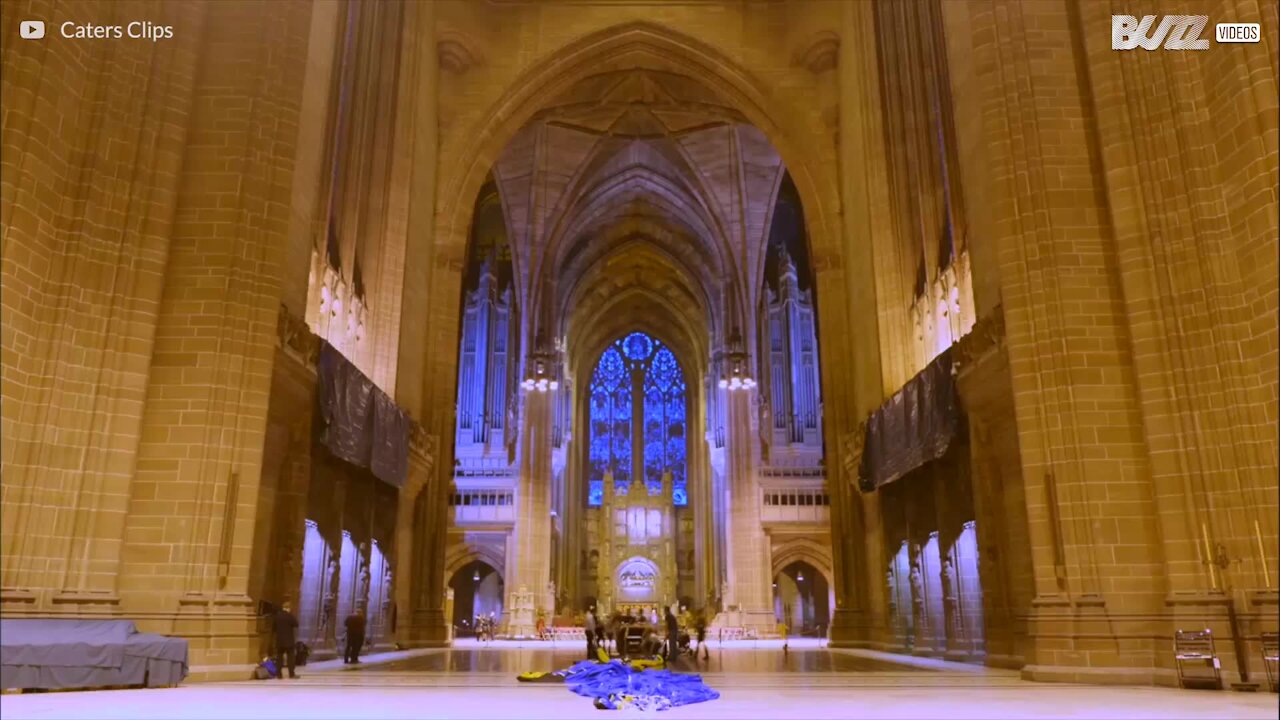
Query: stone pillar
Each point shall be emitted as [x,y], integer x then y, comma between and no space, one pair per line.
[749,580]
[427,352]
[999,497]
[532,532]
[413,201]
[1194,235]
[82,291]
[700,500]
[848,287]
[408,563]
[188,534]
[1077,295]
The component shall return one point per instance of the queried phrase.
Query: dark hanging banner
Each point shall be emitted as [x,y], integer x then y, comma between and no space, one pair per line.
[359,423]
[389,456]
[913,427]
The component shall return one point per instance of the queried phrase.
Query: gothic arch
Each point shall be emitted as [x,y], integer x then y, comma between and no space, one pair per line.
[803,550]
[637,44]
[464,553]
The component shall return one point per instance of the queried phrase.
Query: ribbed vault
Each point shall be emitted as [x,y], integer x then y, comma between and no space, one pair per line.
[641,183]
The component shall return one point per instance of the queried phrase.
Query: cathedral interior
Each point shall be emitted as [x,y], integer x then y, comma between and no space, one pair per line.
[906,344]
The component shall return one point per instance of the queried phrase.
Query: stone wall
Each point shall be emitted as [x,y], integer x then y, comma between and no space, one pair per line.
[1121,221]
[146,200]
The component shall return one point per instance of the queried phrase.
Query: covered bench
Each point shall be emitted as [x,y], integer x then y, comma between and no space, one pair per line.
[59,654]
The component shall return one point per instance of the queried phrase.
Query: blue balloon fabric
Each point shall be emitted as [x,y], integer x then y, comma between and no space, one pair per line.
[615,685]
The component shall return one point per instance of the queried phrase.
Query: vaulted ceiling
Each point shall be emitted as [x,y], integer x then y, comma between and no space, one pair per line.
[638,197]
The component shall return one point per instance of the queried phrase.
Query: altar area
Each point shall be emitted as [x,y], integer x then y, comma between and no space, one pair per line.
[636,570]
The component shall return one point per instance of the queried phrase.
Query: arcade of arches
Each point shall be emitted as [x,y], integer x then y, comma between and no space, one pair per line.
[873,320]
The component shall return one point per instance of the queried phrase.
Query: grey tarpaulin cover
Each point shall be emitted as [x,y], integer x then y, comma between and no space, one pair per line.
[359,423]
[913,427]
[65,653]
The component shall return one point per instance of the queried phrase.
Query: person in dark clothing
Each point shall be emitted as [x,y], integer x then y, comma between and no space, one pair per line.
[589,629]
[673,636]
[355,637]
[286,632]
[700,627]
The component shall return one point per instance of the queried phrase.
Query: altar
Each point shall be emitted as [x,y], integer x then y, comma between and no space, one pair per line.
[637,565]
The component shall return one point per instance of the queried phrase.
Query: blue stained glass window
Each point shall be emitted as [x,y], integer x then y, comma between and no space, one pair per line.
[638,346]
[661,399]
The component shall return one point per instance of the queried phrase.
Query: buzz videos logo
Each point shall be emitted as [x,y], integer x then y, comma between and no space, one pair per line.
[1176,32]
[31,29]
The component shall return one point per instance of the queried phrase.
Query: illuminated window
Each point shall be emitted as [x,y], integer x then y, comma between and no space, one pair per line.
[637,371]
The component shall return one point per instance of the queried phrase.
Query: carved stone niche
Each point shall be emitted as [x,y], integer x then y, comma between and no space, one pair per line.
[821,53]
[852,446]
[987,335]
[457,53]
[295,338]
[422,444]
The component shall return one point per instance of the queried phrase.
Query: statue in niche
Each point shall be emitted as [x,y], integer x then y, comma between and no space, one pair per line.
[384,607]
[950,601]
[948,582]
[330,603]
[363,595]
[917,586]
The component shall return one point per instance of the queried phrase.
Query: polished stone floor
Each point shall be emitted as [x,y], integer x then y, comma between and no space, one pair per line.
[756,680]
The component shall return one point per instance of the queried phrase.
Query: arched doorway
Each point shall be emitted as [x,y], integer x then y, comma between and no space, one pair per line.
[801,600]
[477,592]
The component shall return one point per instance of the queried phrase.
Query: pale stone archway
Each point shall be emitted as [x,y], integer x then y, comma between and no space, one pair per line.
[639,44]
[804,142]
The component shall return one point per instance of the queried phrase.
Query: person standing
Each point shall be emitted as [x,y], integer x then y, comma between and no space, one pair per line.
[673,636]
[286,632]
[355,624]
[589,626]
[700,626]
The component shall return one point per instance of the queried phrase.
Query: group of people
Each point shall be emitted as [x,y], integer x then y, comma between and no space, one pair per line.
[285,631]
[616,629]
[486,627]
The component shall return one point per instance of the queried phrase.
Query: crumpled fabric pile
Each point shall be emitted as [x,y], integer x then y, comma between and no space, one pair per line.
[617,685]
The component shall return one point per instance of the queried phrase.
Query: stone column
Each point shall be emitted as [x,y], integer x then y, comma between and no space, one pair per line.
[532,533]
[408,561]
[847,286]
[426,369]
[1190,181]
[82,291]
[412,202]
[986,394]
[749,581]
[1074,324]
[188,534]
[700,501]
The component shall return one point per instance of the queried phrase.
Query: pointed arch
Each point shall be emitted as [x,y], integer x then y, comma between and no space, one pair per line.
[635,45]
[637,379]
[806,550]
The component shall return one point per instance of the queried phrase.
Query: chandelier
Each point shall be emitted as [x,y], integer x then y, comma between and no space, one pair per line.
[736,361]
[541,376]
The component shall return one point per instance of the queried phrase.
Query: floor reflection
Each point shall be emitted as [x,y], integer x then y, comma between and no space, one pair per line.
[734,660]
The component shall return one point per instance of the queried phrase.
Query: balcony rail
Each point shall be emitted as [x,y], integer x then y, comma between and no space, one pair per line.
[482,467]
[795,506]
